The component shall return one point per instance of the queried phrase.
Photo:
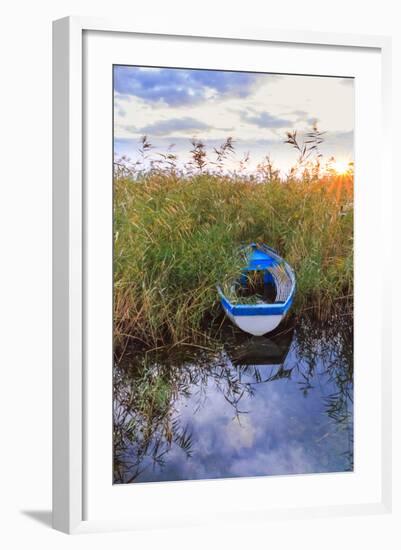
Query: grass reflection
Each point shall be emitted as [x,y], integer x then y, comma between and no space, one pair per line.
[150,388]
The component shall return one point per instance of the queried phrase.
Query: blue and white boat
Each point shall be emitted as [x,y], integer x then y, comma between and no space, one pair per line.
[277,278]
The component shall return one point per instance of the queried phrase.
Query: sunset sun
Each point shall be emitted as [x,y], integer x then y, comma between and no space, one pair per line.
[341,166]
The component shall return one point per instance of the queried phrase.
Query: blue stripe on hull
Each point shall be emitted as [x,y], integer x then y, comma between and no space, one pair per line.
[248,310]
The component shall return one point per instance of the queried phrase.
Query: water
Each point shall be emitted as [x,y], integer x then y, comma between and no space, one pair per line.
[257,407]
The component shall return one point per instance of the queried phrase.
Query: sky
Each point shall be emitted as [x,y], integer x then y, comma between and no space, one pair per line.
[173,106]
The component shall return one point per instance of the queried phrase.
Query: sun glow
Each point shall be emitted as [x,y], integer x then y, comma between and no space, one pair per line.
[341,166]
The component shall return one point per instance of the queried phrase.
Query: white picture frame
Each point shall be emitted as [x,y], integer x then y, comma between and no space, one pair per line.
[70,258]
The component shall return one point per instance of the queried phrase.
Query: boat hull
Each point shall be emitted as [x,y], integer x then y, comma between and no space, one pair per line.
[257,325]
[262,317]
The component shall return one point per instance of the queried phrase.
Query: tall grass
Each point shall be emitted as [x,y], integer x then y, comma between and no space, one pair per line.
[177,233]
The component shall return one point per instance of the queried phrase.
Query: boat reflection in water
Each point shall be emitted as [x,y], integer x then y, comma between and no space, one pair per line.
[280,404]
[261,350]
[255,355]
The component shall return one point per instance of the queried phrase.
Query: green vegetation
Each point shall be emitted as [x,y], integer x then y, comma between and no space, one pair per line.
[177,234]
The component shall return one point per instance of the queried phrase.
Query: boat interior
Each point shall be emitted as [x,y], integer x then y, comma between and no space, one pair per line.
[271,286]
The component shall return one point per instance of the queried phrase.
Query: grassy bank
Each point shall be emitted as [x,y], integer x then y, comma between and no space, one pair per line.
[177,235]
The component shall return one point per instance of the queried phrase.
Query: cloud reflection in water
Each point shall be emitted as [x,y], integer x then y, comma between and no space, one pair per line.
[242,422]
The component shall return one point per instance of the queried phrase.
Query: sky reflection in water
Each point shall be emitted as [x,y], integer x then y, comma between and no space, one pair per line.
[251,419]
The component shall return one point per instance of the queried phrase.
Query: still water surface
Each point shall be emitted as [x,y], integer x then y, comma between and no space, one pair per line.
[257,407]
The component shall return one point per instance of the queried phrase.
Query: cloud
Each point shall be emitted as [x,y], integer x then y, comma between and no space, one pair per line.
[166,127]
[234,83]
[266,120]
[338,144]
[304,116]
[177,87]
[119,109]
[290,459]
[299,113]
[240,434]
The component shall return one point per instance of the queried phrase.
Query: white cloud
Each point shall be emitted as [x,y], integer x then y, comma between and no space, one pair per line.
[271,107]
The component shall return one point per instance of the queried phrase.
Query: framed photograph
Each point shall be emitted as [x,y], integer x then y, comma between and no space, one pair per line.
[219,266]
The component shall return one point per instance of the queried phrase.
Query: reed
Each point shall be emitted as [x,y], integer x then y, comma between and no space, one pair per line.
[177,233]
